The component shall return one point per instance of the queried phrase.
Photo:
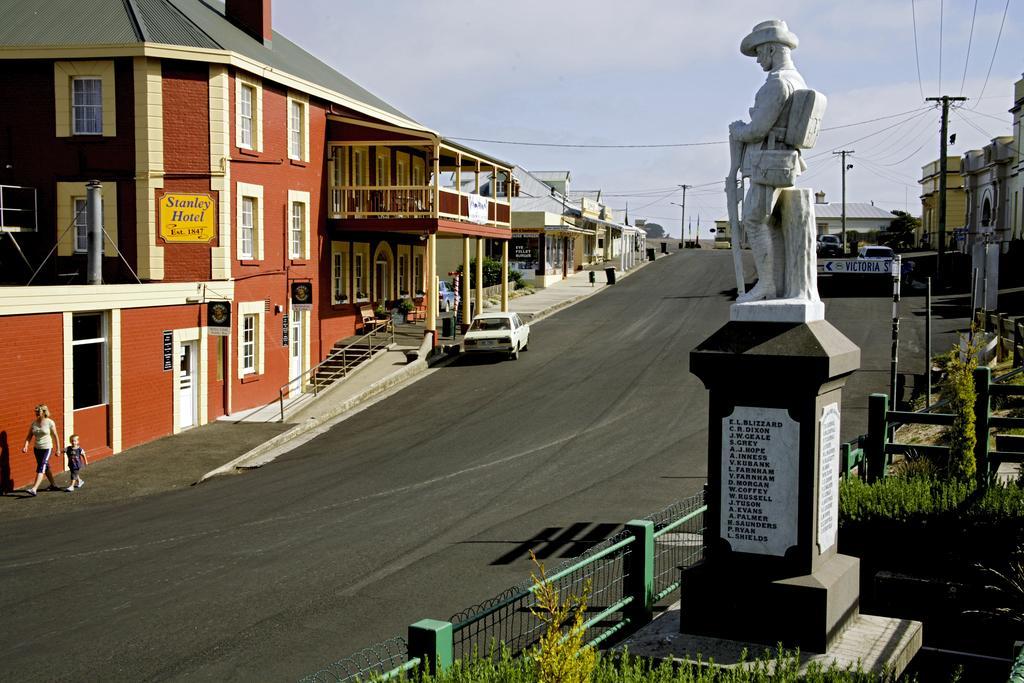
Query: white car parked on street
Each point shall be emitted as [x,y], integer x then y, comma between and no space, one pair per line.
[497,333]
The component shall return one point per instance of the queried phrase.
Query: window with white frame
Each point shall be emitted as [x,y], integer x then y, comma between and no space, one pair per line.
[81,209]
[296,129]
[246,96]
[89,359]
[298,228]
[417,273]
[359,270]
[87,106]
[247,227]
[339,273]
[248,344]
[403,275]
[249,209]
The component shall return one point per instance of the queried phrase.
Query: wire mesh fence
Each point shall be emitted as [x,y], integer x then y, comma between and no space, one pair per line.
[678,542]
[363,665]
[507,620]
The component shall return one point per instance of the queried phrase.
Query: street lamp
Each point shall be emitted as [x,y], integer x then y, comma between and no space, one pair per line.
[682,220]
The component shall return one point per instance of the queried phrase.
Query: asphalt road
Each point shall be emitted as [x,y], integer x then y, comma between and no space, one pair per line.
[417,507]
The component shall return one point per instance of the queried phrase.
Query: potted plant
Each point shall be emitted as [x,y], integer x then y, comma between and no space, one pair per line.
[406,307]
[381,312]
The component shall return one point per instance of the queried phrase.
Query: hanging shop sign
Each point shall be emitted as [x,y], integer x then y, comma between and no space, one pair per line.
[302,296]
[218,318]
[188,218]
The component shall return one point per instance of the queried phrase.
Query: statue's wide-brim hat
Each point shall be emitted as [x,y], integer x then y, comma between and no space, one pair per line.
[771,31]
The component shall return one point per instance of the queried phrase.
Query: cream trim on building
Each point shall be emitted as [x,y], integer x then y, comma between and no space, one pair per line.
[255,308]
[418,285]
[257,113]
[255,192]
[303,100]
[67,193]
[64,73]
[115,380]
[69,373]
[220,168]
[200,381]
[302,198]
[363,250]
[403,276]
[81,298]
[149,164]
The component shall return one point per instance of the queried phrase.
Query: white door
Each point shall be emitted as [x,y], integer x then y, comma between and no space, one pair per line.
[187,385]
[295,351]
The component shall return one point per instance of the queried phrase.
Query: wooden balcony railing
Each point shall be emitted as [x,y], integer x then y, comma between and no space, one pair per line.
[413,201]
[401,201]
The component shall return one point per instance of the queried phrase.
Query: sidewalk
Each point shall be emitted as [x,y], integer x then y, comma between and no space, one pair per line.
[253,438]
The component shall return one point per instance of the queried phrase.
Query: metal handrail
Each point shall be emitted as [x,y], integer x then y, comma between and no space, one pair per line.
[338,353]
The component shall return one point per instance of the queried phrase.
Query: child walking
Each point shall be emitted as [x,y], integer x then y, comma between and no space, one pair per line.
[76,461]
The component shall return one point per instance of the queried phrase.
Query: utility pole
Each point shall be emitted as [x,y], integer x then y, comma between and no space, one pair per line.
[843,154]
[943,141]
[682,235]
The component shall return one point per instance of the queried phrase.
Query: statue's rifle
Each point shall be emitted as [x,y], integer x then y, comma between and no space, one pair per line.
[733,194]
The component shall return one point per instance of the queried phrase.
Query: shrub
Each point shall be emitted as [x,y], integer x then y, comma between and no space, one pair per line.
[959,391]
[492,273]
[561,657]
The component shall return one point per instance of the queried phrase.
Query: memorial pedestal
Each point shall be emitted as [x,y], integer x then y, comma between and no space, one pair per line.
[771,571]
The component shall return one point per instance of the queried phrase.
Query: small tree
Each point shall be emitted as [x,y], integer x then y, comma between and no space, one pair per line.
[492,273]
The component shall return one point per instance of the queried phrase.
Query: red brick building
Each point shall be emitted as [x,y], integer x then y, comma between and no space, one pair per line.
[233,166]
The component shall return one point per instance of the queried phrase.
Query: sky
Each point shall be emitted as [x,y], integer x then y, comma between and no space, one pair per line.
[669,72]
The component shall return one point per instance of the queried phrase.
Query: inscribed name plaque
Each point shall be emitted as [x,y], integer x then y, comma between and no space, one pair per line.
[828,477]
[759,480]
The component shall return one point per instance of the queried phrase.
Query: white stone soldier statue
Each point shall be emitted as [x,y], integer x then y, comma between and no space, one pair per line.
[785,118]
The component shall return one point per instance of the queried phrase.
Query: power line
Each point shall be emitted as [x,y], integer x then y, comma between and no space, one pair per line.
[970,39]
[667,144]
[917,56]
[877,132]
[981,113]
[994,51]
[973,125]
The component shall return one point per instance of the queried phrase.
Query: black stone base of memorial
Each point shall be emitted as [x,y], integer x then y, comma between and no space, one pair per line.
[807,612]
[771,572]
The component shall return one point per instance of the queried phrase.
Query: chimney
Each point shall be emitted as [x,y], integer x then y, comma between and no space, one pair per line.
[819,197]
[252,16]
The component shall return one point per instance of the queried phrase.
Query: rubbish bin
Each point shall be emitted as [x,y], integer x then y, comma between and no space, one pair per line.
[448,325]
[609,273]
[664,247]
[650,254]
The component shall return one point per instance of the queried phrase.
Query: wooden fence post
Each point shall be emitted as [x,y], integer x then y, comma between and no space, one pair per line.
[1017,343]
[1000,334]
[878,436]
[982,413]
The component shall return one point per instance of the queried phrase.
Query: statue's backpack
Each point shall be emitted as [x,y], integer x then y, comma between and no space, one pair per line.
[805,114]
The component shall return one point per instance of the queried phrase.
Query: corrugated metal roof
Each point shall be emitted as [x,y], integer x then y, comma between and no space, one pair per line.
[98,22]
[162,22]
[536,195]
[853,210]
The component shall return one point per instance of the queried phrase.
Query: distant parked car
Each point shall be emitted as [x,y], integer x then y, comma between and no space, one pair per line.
[445,296]
[497,333]
[875,253]
[829,246]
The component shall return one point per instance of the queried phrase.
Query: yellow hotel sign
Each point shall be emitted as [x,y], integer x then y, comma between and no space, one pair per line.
[188,218]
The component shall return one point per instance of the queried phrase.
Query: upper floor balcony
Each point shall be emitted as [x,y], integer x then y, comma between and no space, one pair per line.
[417,179]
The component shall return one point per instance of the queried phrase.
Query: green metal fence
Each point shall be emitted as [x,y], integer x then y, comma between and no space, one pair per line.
[627,575]
[872,453]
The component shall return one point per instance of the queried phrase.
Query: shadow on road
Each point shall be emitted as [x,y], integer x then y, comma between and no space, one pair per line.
[557,542]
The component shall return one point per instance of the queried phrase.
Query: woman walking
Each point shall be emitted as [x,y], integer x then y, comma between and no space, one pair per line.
[44,431]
